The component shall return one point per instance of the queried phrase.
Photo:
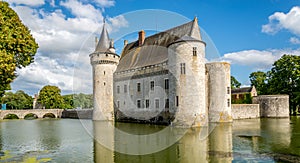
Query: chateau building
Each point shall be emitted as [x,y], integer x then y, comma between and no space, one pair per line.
[161,79]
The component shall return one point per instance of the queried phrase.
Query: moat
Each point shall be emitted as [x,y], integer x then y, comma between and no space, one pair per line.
[70,140]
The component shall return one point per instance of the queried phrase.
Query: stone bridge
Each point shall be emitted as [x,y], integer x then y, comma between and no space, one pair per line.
[40,113]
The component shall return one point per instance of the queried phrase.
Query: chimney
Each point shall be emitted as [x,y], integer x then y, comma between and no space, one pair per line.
[111,43]
[141,37]
[125,42]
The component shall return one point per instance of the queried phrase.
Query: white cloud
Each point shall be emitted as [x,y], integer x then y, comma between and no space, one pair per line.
[279,20]
[81,10]
[259,60]
[47,71]
[64,41]
[294,40]
[28,2]
[105,3]
[118,21]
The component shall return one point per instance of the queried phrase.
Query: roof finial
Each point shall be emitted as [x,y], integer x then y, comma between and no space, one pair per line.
[195,18]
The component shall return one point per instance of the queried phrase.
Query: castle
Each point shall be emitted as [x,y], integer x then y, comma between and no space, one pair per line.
[160,79]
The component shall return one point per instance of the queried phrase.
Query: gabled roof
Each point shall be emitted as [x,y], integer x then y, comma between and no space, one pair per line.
[241,90]
[104,41]
[154,50]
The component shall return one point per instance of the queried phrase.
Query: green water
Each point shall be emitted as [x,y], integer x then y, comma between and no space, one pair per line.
[69,140]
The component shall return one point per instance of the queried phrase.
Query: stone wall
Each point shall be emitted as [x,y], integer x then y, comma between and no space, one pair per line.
[245,111]
[78,114]
[276,106]
[40,113]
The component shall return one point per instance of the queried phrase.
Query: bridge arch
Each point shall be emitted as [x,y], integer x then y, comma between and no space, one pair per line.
[31,116]
[49,115]
[11,116]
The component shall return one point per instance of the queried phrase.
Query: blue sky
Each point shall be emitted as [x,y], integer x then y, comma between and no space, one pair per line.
[251,34]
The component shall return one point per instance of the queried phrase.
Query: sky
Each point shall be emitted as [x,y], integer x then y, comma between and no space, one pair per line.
[250,34]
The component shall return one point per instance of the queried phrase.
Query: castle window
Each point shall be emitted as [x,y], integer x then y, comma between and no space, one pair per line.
[166,83]
[182,68]
[106,55]
[147,103]
[194,51]
[118,104]
[118,89]
[156,103]
[177,100]
[125,88]
[228,102]
[228,90]
[167,103]
[152,85]
[138,103]
[138,87]
[104,72]
[104,83]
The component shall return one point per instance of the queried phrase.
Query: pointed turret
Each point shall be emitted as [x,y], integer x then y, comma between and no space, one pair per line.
[104,61]
[104,41]
[195,31]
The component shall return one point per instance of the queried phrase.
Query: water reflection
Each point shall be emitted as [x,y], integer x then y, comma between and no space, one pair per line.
[66,140]
[254,140]
[192,145]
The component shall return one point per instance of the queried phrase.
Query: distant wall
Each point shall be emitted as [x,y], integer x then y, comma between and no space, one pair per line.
[78,114]
[245,111]
[276,106]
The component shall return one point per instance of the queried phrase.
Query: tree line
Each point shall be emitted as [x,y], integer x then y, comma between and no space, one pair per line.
[49,98]
[282,78]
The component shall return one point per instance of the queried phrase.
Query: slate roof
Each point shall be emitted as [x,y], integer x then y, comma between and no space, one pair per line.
[155,47]
[241,90]
[104,41]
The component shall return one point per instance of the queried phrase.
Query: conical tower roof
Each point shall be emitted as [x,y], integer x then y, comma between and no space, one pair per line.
[195,31]
[104,40]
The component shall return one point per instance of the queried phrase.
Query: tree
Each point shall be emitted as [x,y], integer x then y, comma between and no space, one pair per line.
[78,101]
[18,100]
[83,101]
[259,80]
[50,97]
[234,83]
[17,46]
[284,78]
[68,102]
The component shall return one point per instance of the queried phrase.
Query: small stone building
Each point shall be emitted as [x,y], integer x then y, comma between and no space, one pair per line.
[239,93]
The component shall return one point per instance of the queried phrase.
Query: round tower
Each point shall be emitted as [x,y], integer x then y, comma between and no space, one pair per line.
[187,79]
[104,61]
[219,92]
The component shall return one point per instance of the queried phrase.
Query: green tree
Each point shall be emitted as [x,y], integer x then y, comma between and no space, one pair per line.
[50,97]
[18,100]
[17,46]
[284,78]
[234,83]
[259,80]
[68,102]
[83,100]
